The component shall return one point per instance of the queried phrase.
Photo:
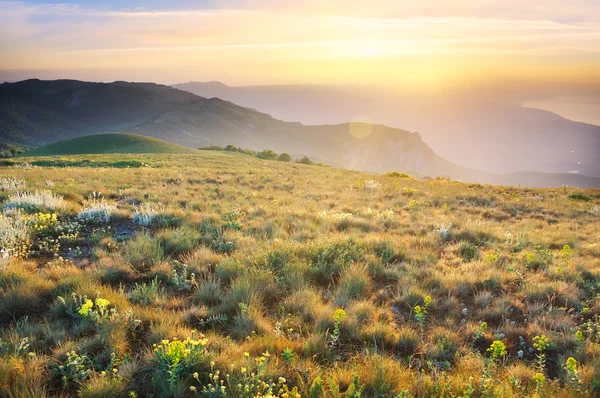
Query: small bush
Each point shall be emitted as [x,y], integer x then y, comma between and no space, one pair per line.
[9,184]
[209,292]
[146,294]
[35,201]
[179,241]
[14,235]
[175,362]
[96,210]
[145,215]
[74,370]
[142,252]
[284,157]
[21,301]
[580,196]
[331,259]
[99,386]
[468,251]
[396,174]
[305,160]
[267,154]
[353,284]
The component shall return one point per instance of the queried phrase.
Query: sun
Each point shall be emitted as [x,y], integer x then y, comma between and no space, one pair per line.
[371,49]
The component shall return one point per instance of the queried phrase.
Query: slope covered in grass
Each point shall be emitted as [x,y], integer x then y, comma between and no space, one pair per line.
[305,280]
[109,143]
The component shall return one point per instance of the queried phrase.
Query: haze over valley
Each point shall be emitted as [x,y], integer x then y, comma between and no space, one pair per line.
[492,133]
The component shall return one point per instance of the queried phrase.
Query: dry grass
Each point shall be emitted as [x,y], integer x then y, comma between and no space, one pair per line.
[272,250]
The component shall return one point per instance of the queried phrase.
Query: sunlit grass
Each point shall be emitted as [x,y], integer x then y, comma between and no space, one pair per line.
[260,256]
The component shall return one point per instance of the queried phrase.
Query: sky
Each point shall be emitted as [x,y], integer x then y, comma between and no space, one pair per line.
[421,45]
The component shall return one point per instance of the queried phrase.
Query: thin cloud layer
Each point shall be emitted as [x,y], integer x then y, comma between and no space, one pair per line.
[439,43]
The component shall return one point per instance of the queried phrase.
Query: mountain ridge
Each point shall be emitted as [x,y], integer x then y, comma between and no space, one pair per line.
[71,108]
[459,126]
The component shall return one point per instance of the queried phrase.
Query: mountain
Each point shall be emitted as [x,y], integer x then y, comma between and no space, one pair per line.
[36,113]
[479,129]
[39,112]
[108,143]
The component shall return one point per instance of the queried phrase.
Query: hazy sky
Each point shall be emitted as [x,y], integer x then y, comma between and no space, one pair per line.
[420,44]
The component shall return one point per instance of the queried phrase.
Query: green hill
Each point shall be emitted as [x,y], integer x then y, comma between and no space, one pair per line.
[109,143]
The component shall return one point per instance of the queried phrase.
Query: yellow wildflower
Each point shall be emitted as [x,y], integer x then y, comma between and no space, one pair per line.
[86,307]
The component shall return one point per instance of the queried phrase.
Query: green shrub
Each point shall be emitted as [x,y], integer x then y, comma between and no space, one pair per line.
[580,196]
[209,292]
[74,370]
[329,260]
[267,154]
[178,241]
[142,252]
[468,251]
[146,294]
[305,160]
[353,284]
[396,174]
[284,157]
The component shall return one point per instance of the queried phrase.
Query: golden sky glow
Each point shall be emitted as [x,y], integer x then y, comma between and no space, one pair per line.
[385,43]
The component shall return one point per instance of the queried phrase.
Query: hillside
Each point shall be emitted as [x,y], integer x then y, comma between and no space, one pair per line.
[49,111]
[10,150]
[317,280]
[108,143]
[42,112]
[477,129]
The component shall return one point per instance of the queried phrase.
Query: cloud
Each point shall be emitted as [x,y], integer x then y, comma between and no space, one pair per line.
[448,37]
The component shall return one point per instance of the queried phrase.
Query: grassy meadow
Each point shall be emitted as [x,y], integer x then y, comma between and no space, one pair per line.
[223,275]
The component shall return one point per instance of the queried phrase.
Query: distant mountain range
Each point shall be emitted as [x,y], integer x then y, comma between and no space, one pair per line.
[36,113]
[480,128]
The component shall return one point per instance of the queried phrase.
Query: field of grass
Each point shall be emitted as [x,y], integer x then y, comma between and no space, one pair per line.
[229,276]
[109,143]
